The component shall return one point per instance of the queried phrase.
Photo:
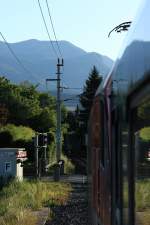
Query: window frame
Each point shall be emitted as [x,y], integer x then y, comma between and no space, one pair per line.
[134,99]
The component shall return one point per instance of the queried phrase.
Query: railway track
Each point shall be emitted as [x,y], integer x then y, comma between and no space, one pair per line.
[75,212]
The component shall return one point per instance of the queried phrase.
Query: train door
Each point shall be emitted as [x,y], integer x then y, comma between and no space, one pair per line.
[139,156]
[116,167]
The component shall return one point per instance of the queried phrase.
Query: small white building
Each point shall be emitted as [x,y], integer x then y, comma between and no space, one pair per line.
[11,160]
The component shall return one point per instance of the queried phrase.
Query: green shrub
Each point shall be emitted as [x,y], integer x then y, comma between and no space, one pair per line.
[18,132]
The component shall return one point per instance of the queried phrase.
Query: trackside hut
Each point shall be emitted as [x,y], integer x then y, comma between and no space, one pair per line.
[11,160]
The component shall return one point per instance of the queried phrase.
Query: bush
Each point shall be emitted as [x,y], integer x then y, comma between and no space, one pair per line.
[18,132]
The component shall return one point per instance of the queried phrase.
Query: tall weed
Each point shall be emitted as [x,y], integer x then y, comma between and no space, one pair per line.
[19,199]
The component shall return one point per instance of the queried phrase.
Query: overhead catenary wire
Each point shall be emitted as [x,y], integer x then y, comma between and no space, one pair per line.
[16,57]
[44,21]
[52,24]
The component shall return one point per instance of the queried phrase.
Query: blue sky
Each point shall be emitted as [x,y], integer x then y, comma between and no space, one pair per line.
[85,23]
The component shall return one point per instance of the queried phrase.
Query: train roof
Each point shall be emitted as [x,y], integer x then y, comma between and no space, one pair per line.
[104,82]
[132,63]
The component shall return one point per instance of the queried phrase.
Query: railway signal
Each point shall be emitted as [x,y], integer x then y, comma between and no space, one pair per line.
[44,139]
[41,141]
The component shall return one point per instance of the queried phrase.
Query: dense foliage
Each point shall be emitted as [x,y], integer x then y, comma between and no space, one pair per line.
[24,111]
[27,106]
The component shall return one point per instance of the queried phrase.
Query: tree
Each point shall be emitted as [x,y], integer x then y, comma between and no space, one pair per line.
[88,94]
[46,100]
[27,106]
[75,140]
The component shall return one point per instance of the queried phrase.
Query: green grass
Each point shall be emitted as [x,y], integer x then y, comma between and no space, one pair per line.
[19,199]
[142,201]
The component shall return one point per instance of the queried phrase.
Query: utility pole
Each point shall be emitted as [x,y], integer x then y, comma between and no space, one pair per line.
[58,129]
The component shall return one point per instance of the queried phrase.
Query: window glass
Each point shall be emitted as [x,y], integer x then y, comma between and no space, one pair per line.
[141,148]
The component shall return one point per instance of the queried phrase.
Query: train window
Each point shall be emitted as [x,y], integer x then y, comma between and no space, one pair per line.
[116,166]
[140,140]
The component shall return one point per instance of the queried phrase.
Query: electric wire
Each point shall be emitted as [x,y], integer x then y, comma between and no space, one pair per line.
[44,21]
[52,24]
[16,57]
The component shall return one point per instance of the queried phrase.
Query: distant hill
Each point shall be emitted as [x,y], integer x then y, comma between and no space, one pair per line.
[39,58]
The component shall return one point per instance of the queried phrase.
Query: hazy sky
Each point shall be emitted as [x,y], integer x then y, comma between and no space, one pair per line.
[85,23]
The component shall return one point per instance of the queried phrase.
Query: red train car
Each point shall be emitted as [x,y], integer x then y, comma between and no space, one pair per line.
[100,157]
[119,135]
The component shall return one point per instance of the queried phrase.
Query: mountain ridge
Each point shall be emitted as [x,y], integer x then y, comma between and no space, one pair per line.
[37,56]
